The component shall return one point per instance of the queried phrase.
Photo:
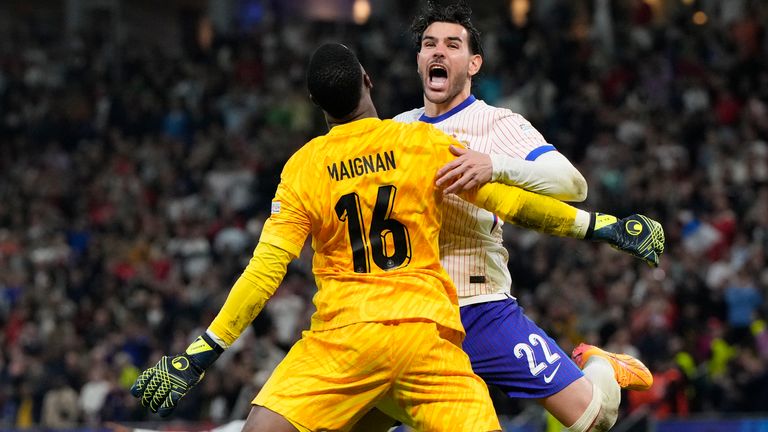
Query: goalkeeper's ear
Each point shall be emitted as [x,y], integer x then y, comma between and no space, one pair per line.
[367,82]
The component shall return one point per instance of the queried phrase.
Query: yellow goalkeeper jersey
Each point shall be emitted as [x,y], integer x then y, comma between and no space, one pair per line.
[365,192]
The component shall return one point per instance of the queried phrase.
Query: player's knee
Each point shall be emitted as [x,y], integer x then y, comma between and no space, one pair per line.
[605,420]
[600,415]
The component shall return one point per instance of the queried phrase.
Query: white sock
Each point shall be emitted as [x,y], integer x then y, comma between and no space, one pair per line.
[599,371]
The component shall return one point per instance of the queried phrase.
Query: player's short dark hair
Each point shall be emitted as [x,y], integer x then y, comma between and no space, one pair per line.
[458,13]
[335,79]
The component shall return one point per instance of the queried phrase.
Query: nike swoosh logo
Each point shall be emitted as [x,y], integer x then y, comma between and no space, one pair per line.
[548,379]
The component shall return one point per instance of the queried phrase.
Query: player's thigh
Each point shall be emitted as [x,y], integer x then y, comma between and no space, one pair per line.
[329,379]
[510,351]
[436,389]
[569,404]
[261,419]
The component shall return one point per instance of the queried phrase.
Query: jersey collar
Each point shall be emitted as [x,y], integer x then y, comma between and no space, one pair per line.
[467,102]
[355,127]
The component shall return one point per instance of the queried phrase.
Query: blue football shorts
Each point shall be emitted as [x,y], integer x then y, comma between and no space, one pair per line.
[509,351]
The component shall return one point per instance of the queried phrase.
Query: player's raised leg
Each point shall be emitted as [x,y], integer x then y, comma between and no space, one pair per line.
[568,405]
[510,351]
[589,404]
[630,373]
[607,373]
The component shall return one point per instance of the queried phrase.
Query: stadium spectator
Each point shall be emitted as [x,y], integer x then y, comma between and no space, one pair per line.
[96,197]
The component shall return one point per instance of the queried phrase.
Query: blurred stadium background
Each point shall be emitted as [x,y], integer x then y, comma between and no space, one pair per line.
[141,142]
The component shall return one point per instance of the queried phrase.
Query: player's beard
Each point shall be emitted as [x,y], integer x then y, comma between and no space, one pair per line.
[456,85]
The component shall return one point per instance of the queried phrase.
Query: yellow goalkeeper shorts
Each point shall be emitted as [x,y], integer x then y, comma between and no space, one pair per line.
[413,371]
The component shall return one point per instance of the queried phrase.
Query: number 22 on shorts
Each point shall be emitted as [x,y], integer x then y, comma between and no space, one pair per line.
[526,350]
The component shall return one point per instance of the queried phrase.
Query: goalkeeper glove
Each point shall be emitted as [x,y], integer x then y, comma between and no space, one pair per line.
[162,386]
[638,235]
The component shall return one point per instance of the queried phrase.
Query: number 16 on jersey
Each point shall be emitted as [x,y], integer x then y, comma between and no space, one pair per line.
[387,241]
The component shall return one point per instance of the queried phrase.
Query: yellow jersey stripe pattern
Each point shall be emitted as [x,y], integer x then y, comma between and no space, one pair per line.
[365,194]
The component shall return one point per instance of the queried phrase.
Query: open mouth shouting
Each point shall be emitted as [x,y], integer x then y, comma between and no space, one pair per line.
[437,79]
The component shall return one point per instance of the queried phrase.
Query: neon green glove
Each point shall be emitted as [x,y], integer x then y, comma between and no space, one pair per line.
[162,386]
[638,235]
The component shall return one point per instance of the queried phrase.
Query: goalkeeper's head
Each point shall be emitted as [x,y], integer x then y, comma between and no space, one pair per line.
[338,84]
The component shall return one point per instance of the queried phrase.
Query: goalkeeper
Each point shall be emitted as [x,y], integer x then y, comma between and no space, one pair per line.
[387,331]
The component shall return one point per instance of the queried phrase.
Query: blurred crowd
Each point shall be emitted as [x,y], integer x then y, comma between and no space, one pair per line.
[133,189]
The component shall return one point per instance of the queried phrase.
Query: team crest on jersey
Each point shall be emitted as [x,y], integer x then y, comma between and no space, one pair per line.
[275,207]
[527,128]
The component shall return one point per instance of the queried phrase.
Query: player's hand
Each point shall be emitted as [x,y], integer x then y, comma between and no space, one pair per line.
[162,386]
[471,169]
[638,235]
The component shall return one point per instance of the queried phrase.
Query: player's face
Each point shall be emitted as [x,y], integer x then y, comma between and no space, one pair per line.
[445,62]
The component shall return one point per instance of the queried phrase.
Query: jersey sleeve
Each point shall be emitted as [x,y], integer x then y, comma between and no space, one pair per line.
[289,223]
[515,136]
[250,292]
[552,175]
[530,210]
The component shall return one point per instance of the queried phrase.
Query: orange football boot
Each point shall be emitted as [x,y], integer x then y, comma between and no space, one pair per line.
[631,373]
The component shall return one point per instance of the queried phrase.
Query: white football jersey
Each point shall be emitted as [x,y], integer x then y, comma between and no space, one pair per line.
[471,247]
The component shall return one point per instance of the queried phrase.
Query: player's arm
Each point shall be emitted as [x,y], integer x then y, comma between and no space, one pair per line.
[550,174]
[162,386]
[250,292]
[637,235]
[519,157]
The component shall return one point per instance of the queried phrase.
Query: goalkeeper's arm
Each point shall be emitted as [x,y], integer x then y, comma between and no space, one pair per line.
[637,235]
[162,386]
